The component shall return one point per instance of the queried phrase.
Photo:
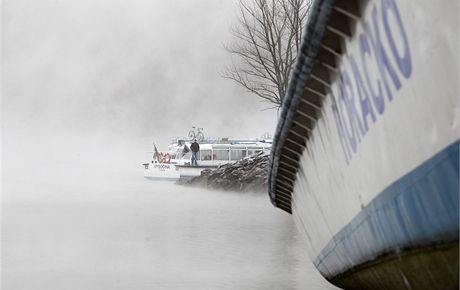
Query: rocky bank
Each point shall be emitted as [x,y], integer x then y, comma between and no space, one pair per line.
[249,174]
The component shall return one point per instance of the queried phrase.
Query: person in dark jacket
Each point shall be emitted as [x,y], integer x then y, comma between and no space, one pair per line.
[195,147]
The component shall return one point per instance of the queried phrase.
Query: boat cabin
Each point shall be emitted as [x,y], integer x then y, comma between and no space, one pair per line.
[211,155]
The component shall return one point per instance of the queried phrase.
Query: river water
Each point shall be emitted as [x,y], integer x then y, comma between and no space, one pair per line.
[140,234]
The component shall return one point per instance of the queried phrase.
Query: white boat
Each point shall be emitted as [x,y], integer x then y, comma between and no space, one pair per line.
[177,163]
[366,153]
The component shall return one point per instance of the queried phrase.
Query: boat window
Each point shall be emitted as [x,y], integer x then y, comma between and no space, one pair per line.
[237,154]
[220,155]
[206,154]
[220,147]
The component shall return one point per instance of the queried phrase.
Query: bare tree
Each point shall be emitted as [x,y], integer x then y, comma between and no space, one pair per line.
[267,39]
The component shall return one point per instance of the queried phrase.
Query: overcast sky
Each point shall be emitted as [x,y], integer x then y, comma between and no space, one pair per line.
[85,80]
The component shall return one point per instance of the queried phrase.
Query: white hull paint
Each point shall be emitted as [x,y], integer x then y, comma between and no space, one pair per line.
[419,122]
[192,171]
[172,171]
[161,171]
[378,172]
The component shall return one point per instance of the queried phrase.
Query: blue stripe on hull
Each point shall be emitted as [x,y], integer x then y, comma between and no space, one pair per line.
[420,209]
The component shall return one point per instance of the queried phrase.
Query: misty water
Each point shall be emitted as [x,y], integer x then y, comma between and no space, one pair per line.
[87,86]
[141,234]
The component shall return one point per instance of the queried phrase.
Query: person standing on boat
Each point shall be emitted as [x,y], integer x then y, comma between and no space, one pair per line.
[195,147]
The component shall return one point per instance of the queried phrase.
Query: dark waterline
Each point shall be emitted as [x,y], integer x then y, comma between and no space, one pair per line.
[148,235]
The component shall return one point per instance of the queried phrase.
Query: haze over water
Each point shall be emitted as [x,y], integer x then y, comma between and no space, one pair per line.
[140,234]
[87,86]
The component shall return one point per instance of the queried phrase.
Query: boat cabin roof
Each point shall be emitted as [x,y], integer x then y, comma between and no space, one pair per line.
[239,146]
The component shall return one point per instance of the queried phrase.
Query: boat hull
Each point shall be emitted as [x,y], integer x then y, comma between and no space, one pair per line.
[374,183]
[168,171]
[409,228]
[411,269]
[192,171]
[165,171]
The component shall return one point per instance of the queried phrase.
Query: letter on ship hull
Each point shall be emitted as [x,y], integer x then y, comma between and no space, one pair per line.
[366,153]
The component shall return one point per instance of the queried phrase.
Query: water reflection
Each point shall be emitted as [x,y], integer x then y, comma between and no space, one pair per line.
[148,235]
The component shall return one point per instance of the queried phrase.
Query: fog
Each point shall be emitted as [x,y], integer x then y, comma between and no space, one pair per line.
[92,83]
[87,86]
[142,235]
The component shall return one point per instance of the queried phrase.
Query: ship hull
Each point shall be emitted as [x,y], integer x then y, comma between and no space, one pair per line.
[374,182]
[169,171]
[408,229]
[161,171]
